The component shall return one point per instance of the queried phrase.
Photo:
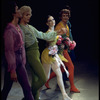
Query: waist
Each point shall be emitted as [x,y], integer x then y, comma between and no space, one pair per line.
[33,46]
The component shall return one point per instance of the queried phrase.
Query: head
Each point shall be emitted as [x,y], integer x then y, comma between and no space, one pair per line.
[12,11]
[50,21]
[65,15]
[26,12]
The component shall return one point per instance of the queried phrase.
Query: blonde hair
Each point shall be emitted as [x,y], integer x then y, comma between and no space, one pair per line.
[24,9]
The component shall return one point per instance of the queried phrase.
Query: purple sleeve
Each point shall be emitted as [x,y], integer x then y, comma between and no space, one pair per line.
[9,50]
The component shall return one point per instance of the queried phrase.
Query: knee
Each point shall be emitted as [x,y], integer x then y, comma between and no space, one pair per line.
[42,80]
[59,76]
[71,69]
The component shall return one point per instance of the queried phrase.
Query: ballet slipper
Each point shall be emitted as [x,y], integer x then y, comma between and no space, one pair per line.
[74,89]
[66,97]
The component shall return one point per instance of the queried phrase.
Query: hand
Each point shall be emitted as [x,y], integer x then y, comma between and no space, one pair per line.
[62,31]
[72,45]
[13,76]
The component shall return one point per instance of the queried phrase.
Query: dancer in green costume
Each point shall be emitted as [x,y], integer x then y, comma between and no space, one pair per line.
[32,49]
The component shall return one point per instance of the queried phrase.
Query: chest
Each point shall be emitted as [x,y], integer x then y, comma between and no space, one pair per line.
[17,36]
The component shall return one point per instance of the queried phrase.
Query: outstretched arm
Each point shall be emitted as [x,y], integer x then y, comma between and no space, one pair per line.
[41,35]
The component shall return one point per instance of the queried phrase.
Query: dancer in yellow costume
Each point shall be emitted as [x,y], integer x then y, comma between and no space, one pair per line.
[52,62]
[64,23]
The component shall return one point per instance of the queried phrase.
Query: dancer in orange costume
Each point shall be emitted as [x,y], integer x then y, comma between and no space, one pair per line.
[65,15]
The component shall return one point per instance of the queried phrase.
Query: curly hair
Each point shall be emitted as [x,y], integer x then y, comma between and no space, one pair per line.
[66,10]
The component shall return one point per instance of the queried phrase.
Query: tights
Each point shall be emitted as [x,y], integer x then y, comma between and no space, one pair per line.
[38,74]
[58,73]
[70,67]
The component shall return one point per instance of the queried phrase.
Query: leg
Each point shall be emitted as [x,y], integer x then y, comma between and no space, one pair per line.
[72,55]
[22,77]
[7,85]
[52,75]
[47,69]
[70,67]
[24,82]
[60,81]
[38,74]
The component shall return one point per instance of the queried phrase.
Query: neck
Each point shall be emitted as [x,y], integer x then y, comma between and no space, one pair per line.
[64,23]
[23,23]
[15,21]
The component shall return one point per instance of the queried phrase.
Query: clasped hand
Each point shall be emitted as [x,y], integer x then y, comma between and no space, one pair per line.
[62,31]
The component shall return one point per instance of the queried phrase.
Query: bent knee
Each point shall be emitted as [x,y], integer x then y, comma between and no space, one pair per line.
[43,80]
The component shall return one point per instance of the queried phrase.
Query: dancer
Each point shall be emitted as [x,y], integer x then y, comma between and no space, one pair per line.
[15,55]
[53,62]
[32,49]
[65,15]
[66,23]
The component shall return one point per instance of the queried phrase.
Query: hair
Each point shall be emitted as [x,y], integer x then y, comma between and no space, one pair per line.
[7,13]
[10,10]
[65,10]
[48,17]
[24,9]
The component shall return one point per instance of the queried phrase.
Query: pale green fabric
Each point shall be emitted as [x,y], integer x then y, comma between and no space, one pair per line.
[31,34]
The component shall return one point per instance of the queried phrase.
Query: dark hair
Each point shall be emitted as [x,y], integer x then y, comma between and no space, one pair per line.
[47,18]
[11,10]
[68,7]
[8,9]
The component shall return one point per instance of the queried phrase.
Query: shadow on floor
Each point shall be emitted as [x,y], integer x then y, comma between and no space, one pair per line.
[86,80]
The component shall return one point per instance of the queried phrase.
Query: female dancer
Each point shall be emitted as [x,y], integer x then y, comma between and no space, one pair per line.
[51,62]
[64,23]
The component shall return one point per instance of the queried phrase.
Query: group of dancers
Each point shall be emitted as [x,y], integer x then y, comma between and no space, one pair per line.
[20,42]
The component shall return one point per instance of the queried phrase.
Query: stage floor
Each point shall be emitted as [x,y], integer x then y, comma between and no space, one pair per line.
[86,80]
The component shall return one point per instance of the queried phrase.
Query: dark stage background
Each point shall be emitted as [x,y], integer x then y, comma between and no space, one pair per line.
[84,20]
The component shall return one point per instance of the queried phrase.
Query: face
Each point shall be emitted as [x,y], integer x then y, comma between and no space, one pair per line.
[26,16]
[51,21]
[17,12]
[65,17]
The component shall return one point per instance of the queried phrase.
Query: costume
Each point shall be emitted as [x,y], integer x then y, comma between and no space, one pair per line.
[15,61]
[50,59]
[46,58]
[68,26]
[68,64]
[33,56]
